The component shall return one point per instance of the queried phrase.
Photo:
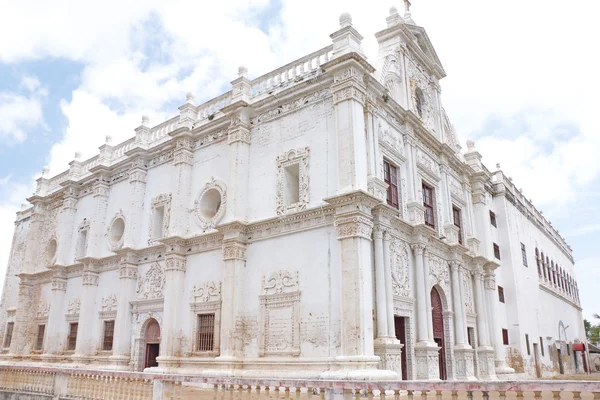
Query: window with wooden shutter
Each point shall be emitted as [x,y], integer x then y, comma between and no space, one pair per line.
[505,336]
[457,222]
[39,343]
[109,331]
[72,338]
[428,204]
[390,176]
[501,294]
[206,332]
[496,251]
[493,219]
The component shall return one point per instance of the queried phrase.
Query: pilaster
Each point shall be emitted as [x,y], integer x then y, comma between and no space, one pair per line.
[137,192]
[55,329]
[98,224]
[485,353]
[503,371]
[22,340]
[171,333]
[238,138]
[234,263]
[463,353]
[183,160]
[85,346]
[123,322]
[66,227]
[380,286]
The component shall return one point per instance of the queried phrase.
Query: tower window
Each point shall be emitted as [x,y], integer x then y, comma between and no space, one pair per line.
[493,219]
[457,222]
[496,251]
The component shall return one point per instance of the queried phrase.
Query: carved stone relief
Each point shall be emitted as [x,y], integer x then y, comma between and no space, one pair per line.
[109,303]
[288,159]
[74,307]
[280,314]
[399,261]
[439,272]
[208,291]
[468,292]
[43,310]
[151,285]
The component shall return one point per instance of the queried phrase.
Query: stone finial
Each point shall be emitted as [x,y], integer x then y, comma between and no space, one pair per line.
[189,98]
[393,10]
[394,18]
[498,166]
[407,16]
[470,145]
[242,71]
[345,19]
[145,120]
[77,156]
[45,171]
[108,139]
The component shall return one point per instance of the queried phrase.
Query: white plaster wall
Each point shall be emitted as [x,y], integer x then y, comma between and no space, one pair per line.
[158,181]
[313,127]
[314,254]
[108,284]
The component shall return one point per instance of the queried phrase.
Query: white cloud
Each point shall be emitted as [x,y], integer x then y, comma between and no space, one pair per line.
[528,62]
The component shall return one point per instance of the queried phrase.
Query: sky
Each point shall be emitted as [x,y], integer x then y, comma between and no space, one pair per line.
[522,83]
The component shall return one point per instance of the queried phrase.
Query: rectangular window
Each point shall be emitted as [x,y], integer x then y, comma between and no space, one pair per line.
[390,176]
[292,184]
[39,343]
[82,243]
[496,251]
[527,344]
[501,294]
[428,204]
[206,332]
[542,346]
[457,222]
[72,338]
[109,331]
[157,224]
[524,254]
[493,219]
[8,336]
[471,336]
[505,336]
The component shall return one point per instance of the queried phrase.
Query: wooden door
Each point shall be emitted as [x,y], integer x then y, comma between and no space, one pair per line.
[438,329]
[400,324]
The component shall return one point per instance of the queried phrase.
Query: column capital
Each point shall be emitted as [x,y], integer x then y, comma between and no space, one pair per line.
[418,248]
[456,265]
[234,251]
[176,262]
[89,278]
[184,150]
[128,271]
[353,226]
[239,127]
[101,188]
[59,278]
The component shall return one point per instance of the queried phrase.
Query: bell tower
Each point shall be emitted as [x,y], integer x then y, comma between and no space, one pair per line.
[409,68]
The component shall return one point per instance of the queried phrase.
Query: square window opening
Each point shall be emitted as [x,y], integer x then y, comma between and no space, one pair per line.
[292,184]
[9,331]
[39,343]
[157,224]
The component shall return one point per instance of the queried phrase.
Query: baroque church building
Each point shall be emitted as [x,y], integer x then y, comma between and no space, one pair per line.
[319,221]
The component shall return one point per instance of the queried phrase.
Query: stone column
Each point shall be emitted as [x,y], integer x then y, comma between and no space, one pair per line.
[85,346]
[173,308]
[137,192]
[463,353]
[380,286]
[22,340]
[98,226]
[485,352]
[234,262]
[503,371]
[375,183]
[428,296]
[416,210]
[389,291]
[122,334]
[183,160]
[55,329]
[426,350]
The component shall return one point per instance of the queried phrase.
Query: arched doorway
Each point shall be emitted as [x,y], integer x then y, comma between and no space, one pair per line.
[438,329]
[151,343]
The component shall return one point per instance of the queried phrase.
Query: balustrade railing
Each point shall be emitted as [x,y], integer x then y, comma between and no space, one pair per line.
[292,72]
[67,383]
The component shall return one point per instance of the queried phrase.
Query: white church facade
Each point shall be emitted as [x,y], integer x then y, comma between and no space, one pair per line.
[320,221]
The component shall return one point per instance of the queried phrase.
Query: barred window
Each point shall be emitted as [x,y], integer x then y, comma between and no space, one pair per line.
[109,331]
[206,332]
[72,338]
[8,336]
[39,344]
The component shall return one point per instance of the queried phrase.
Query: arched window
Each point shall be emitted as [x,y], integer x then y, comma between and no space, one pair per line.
[419,102]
